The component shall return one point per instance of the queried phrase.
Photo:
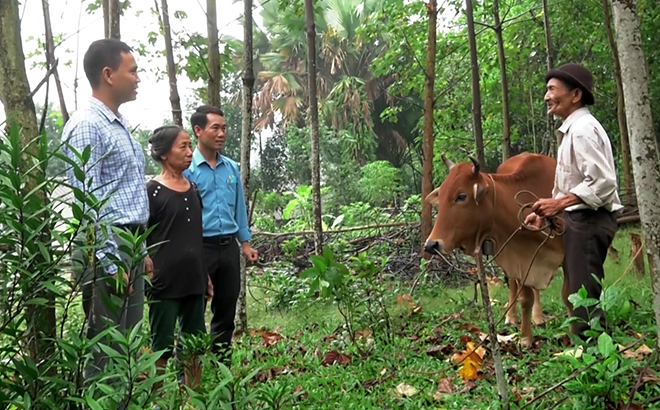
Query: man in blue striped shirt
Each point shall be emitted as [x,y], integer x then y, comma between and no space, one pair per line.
[116,170]
[224,219]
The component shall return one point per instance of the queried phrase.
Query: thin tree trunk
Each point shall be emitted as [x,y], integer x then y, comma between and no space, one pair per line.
[635,79]
[429,102]
[214,54]
[314,124]
[621,110]
[175,100]
[476,92]
[551,136]
[531,106]
[20,112]
[246,139]
[50,59]
[506,119]
[114,15]
[106,18]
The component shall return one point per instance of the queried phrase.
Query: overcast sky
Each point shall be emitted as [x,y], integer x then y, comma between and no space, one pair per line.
[152,104]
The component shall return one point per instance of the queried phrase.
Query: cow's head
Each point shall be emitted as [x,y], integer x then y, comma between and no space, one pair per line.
[465,209]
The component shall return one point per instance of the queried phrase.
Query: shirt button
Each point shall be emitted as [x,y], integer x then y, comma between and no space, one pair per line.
[187,209]
[185,199]
[188,219]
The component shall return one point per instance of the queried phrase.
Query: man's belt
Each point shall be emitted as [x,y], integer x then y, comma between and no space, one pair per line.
[140,229]
[222,240]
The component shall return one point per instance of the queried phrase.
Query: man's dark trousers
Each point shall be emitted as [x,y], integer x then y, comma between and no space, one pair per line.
[222,257]
[587,237]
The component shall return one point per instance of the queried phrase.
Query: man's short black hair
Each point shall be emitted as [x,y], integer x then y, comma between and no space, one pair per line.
[200,117]
[103,53]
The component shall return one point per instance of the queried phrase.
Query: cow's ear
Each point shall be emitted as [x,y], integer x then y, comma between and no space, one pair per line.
[478,192]
[432,198]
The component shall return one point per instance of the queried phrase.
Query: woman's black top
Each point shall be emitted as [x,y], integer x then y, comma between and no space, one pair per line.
[179,269]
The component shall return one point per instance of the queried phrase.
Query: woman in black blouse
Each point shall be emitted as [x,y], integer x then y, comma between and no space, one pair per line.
[179,281]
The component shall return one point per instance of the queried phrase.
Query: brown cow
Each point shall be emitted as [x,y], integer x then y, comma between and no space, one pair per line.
[475,206]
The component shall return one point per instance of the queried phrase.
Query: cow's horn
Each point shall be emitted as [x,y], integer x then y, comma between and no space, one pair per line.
[447,162]
[476,168]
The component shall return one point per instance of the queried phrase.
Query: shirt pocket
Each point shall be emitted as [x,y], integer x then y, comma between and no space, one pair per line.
[232,185]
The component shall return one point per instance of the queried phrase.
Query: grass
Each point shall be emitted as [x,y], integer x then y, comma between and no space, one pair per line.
[292,373]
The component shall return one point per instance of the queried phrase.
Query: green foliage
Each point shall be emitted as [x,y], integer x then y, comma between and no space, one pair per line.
[605,374]
[380,183]
[360,294]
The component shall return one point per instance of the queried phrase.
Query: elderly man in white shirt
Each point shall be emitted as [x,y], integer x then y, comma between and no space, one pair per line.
[585,186]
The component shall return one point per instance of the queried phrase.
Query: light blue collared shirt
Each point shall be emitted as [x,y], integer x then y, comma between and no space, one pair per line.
[221,189]
[116,168]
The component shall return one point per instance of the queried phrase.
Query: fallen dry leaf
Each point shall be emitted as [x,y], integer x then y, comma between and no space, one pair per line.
[405,299]
[368,384]
[417,310]
[574,351]
[440,351]
[335,357]
[649,377]
[471,359]
[500,338]
[445,386]
[638,354]
[405,390]
[467,386]
[465,339]
[516,395]
[363,333]
[270,338]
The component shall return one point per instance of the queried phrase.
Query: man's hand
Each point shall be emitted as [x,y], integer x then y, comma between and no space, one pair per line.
[209,289]
[547,208]
[534,221]
[250,253]
[149,268]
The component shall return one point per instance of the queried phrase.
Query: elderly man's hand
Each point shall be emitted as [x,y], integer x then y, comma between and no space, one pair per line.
[534,221]
[547,208]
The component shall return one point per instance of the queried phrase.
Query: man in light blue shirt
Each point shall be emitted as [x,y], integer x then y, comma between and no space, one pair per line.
[224,219]
[114,173]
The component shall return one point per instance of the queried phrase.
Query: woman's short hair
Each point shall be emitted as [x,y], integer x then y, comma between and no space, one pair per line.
[162,140]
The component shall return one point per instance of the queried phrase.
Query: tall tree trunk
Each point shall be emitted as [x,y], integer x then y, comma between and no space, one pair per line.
[112,19]
[50,59]
[106,18]
[310,28]
[506,119]
[429,102]
[551,135]
[642,138]
[246,143]
[214,54]
[175,100]
[20,112]
[476,91]
[621,109]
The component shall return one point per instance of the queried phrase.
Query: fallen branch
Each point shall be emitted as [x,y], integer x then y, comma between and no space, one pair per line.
[353,229]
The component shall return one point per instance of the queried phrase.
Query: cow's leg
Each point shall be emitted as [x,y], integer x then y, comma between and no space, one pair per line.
[512,314]
[526,305]
[566,291]
[537,311]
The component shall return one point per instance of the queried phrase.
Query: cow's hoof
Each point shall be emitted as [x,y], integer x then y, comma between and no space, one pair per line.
[511,320]
[539,320]
[526,342]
